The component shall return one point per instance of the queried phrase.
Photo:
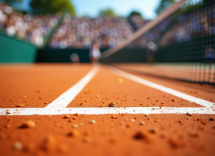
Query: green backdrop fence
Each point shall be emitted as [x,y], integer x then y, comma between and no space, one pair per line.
[62,55]
[13,50]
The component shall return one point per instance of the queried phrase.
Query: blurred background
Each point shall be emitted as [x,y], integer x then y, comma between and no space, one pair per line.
[181,46]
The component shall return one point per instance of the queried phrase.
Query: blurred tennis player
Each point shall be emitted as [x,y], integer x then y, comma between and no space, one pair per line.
[95,53]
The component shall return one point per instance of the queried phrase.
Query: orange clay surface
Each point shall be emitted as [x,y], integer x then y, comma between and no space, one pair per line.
[127,94]
[202,91]
[163,134]
[37,85]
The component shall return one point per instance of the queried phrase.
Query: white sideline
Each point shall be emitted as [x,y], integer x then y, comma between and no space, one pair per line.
[187,97]
[106,110]
[63,100]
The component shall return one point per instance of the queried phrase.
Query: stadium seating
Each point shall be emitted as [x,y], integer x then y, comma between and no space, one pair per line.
[196,23]
[27,26]
[76,32]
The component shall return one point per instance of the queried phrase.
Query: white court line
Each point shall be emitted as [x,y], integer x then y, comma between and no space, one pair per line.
[107,110]
[63,100]
[58,107]
[187,97]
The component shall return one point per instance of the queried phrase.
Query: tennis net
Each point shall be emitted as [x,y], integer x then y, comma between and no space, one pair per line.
[178,44]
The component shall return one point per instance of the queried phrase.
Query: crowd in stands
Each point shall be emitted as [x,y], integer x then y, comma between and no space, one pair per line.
[79,32]
[197,23]
[176,30]
[26,26]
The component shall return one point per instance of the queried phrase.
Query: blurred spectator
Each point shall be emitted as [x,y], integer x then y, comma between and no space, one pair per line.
[32,27]
[95,52]
[77,32]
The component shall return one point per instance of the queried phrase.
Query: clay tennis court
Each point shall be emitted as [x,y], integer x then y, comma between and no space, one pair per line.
[100,110]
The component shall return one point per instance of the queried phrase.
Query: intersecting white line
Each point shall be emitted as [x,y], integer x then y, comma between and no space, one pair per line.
[187,97]
[58,106]
[63,100]
[106,110]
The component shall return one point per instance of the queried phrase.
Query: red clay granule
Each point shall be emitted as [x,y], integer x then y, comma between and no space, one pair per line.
[7,126]
[87,140]
[76,114]
[19,105]
[112,104]
[17,145]
[143,135]
[201,128]
[199,119]
[49,143]
[164,135]
[114,116]
[67,116]
[113,140]
[193,134]
[128,126]
[74,133]
[87,91]
[87,133]
[175,143]
[203,122]
[153,130]
[156,120]
[28,124]
[180,121]
[30,147]
[211,118]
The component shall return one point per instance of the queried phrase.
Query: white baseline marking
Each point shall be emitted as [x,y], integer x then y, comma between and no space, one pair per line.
[187,97]
[63,100]
[106,110]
